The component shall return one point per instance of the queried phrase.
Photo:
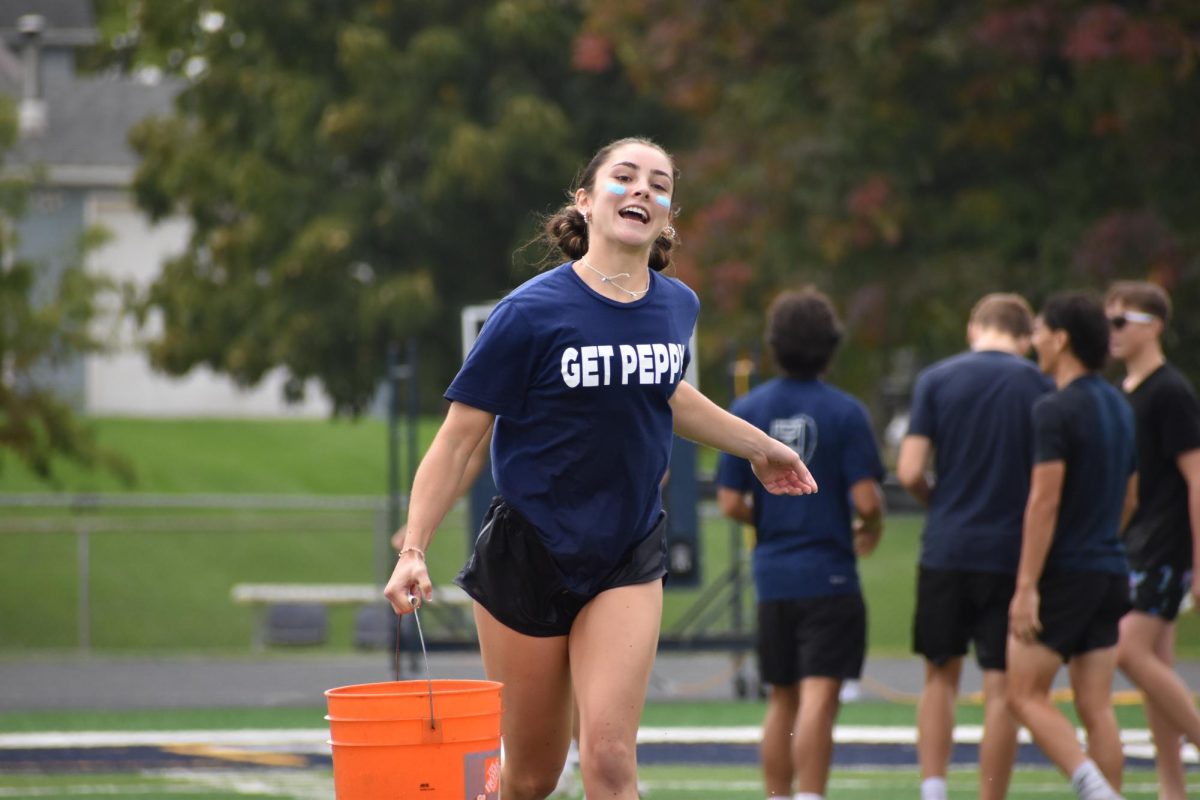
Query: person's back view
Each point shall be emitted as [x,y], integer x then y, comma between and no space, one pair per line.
[812,621]
[972,413]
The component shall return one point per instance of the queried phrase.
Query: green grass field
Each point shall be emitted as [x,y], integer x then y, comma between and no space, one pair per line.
[675,713]
[160,578]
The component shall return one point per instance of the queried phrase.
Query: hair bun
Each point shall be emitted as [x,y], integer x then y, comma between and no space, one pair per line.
[569,231]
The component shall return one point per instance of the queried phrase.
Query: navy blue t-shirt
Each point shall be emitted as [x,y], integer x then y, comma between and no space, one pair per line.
[1088,426]
[805,546]
[580,385]
[976,408]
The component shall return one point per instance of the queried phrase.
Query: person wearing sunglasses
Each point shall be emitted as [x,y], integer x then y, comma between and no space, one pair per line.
[1161,539]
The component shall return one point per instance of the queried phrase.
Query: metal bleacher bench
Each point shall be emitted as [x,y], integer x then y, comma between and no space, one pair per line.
[265,595]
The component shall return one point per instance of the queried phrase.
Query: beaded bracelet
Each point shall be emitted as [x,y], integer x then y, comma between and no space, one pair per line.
[416,550]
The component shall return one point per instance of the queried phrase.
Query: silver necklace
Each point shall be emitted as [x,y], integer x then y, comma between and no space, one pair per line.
[611,280]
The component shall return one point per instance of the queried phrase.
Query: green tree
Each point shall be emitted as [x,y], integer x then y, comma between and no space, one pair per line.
[43,325]
[910,156]
[357,170]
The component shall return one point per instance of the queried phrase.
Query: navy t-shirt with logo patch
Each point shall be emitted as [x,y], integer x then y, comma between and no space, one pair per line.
[804,544]
[580,385]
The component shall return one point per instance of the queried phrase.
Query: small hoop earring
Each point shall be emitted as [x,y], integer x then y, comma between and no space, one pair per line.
[669,232]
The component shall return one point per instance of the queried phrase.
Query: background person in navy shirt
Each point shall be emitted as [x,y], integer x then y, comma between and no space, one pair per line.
[581,371]
[972,414]
[812,622]
[1072,579]
[1161,540]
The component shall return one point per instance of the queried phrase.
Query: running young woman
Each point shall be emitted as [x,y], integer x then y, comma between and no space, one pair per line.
[581,371]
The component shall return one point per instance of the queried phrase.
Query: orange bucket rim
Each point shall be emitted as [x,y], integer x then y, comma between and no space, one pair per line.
[332,743]
[418,687]
[376,721]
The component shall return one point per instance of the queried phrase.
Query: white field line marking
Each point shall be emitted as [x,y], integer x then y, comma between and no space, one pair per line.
[858,784]
[123,790]
[315,740]
[250,737]
[297,786]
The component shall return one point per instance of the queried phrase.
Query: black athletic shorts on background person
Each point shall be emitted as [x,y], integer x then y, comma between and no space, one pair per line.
[812,637]
[957,607]
[1159,591]
[1081,611]
[512,574]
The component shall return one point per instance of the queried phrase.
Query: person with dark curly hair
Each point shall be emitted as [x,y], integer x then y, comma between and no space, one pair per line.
[1073,579]
[812,621]
[581,371]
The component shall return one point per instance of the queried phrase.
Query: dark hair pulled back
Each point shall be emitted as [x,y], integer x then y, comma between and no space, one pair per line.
[566,228]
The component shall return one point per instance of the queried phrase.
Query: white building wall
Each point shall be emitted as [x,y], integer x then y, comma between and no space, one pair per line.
[122,382]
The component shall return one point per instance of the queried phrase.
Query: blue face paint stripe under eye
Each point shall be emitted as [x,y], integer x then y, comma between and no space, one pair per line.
[663,201]
[615,188]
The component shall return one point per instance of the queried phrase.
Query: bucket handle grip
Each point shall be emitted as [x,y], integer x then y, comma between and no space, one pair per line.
[433,735]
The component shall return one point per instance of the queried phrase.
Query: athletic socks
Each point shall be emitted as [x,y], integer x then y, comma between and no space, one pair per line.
[933,789]
[1090,784]
[807,796]
[779,797]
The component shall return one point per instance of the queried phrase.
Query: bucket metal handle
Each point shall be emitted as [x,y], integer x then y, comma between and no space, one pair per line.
[415,602]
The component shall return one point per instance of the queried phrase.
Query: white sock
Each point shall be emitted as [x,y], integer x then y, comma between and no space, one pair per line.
[933,789]
[1090,784]
[807,796]
[573,754]
[779,797]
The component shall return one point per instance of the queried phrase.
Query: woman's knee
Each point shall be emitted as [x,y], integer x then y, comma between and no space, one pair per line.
[534,783]
[611,761]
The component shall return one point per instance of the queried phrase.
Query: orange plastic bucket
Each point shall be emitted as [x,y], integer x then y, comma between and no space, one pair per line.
[386,745]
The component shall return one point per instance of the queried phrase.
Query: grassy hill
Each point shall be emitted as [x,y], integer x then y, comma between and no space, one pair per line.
[233,456]
[160,577]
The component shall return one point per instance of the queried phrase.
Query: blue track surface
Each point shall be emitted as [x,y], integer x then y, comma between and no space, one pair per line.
[132,759]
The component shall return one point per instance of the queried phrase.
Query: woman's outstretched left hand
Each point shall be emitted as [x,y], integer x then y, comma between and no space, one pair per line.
[782,472]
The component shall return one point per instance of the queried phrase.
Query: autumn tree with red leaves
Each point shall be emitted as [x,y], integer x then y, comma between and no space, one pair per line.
[908,157]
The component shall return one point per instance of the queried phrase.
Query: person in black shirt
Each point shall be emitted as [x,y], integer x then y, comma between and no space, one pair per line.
[1072,578]
[1161,537]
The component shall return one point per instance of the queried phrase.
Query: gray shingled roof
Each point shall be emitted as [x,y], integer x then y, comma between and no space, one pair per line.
[88,116]
[68,22]
[88,121]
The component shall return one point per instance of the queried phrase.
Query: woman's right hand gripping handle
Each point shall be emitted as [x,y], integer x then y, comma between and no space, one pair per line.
[410,579]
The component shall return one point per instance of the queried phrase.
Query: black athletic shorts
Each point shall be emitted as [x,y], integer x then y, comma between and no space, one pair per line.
[512,574]
[957,607]
[1081,611]
[814,637]
[1159,591]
